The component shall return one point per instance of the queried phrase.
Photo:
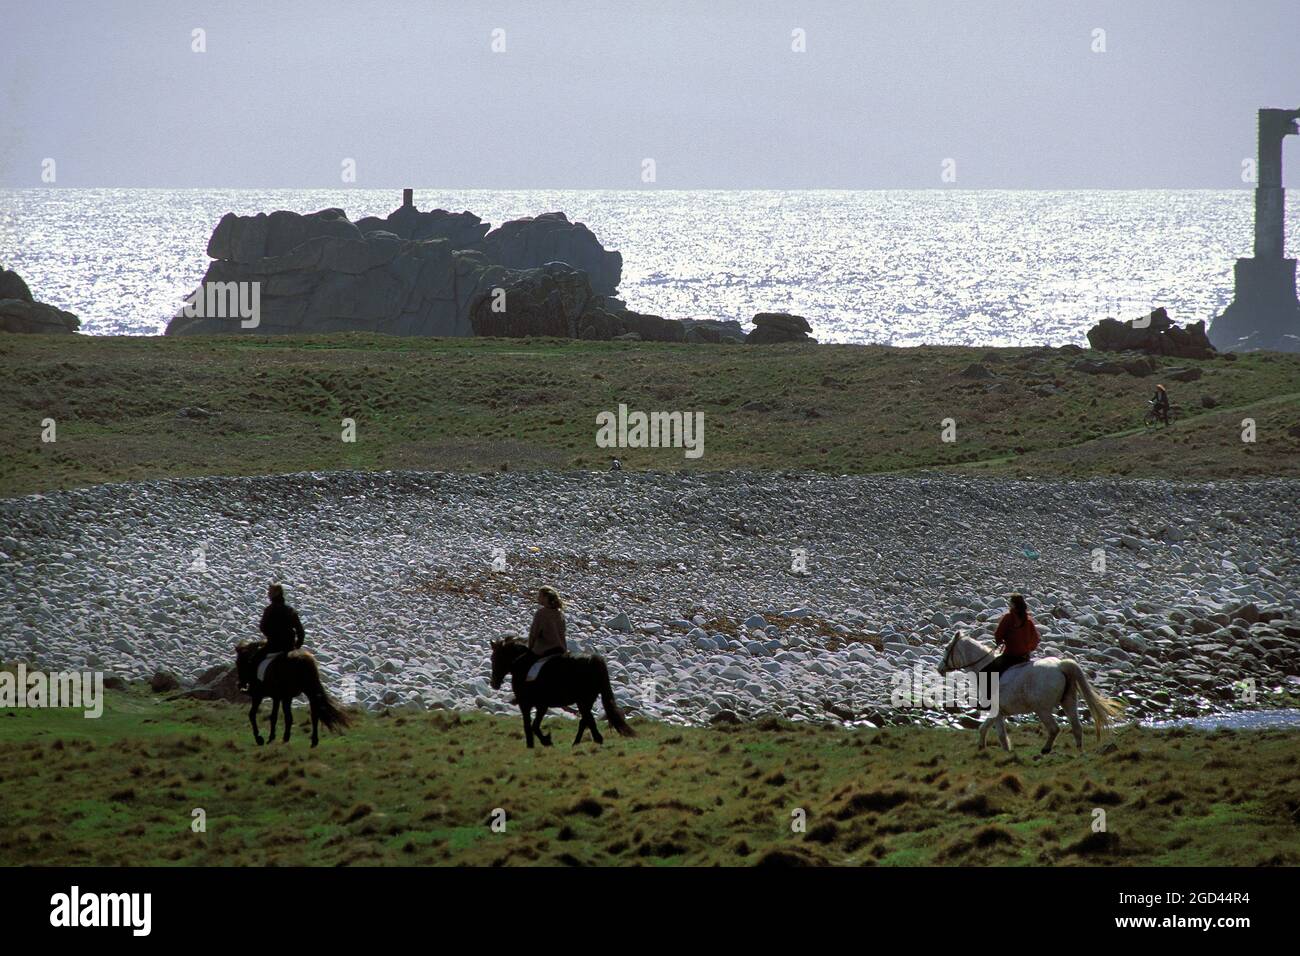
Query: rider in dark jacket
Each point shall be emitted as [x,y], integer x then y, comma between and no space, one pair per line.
[280,626]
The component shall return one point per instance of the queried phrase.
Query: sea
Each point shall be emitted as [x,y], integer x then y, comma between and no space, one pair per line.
[898,267]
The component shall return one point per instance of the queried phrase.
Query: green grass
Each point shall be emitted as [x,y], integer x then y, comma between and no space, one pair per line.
[483,404]
[421,788]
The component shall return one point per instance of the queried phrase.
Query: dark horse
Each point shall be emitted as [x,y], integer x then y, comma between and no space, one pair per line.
[562,682]
[289,675]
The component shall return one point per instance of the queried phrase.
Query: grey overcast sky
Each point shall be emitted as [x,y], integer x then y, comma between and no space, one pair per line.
[585,90]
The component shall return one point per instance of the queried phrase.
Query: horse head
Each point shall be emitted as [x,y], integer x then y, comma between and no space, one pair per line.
[504,654]
[963,652]
[244,652]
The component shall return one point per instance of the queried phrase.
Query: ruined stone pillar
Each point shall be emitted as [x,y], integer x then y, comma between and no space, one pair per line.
[1264,313]
[408,197]
[1270,197]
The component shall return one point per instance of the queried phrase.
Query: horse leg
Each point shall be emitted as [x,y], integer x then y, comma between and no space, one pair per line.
[587,721]
[582,723]
[286,707]
[984,732]
[275,709]
[1002,734]
[1053,728]
[537,727]
[315,722]
[1070,701]
[252,719]
[528,724]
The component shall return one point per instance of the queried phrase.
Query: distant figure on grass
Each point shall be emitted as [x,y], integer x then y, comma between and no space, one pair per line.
[544,675]
[278,668]
[1016,634]
[1160,405]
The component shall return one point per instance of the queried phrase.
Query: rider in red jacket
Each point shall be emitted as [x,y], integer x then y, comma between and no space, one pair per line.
[1016,634]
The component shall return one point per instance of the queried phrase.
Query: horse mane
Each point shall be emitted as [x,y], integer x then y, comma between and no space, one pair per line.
[510,646]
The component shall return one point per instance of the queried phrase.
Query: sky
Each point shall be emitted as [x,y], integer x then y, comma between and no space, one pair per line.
[1017,94]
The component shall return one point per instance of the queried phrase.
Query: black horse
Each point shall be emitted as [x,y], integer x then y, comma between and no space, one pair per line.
[293,674]
[564,681]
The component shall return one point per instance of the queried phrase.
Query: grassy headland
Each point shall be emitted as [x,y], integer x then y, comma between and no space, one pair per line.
[422,787]
[274,405]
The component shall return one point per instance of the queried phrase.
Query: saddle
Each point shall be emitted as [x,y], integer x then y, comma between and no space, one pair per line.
[537,668]
[266,663]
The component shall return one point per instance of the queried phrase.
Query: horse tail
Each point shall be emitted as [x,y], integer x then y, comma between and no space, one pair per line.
[330,714]
[612,713]
[1103,709]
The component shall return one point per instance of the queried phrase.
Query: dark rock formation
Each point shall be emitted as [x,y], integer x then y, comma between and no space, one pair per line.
[432,273]
[163,681]
[320,273]
[463,230]
[1156,334]
[248,239]
[715,331]
[216,683]
[12,286]
[19,312]
[558,300]
[774,327]
[411,273]
[534,241]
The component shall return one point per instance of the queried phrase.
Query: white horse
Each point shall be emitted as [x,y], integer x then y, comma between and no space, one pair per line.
[1034,688]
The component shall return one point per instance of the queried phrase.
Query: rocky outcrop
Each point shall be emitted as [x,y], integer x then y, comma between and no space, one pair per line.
[216,683]
[774,327]
[321,273]
[411,273]
[558,300]
[12,286]
[432,273]
[534,241]
[20,312]
[463,230]
[1155,334]
[716,331]
[249,239]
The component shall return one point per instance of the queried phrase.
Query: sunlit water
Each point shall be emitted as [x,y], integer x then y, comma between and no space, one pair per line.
[1237,720]
[901,267]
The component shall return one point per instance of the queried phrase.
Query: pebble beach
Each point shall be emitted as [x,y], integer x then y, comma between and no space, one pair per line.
[711,595]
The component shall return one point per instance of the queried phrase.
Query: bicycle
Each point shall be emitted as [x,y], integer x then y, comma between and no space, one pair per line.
[1153,415]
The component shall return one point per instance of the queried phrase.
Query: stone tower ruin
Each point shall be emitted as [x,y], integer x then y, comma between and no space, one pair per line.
[1264,313]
